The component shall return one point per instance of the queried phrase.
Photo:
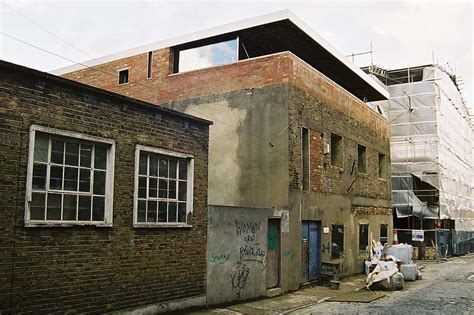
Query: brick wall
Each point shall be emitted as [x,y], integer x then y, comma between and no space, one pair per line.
[84,269]
[319,104]
[165,86]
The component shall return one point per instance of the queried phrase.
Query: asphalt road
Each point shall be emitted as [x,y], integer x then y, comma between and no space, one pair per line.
[446,288]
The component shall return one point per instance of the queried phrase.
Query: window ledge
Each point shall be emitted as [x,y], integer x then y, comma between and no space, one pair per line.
[162,225]
[66,224]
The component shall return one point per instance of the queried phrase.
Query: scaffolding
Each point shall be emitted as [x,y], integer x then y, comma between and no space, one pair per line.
[432,145]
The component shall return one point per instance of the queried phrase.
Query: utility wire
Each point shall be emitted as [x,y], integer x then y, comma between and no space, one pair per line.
[270,144]
[109,74]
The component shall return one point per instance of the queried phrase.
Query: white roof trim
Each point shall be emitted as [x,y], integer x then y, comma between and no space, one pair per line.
[227,28]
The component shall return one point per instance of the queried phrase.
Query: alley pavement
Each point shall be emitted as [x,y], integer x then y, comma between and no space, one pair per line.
[446,288]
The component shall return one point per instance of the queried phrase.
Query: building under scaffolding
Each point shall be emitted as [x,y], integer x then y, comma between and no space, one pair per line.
[432,147]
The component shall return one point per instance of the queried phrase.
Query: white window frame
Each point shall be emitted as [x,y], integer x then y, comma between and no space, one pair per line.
[118,76]
[109,178]
[190,188]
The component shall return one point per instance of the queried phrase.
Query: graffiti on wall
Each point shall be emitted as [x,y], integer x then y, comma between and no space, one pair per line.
[220,258]
[239,277]
[252,255]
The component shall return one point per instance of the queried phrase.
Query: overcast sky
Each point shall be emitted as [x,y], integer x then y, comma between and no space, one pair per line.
[402,33]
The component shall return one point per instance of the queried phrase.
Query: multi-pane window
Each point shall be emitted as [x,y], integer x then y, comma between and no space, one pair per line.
[68,179]
[163,193]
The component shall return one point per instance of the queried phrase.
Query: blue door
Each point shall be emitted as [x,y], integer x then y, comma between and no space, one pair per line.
[313,251]
[310,251]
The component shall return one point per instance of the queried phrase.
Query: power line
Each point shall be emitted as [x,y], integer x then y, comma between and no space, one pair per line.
[48,31]
[109,74]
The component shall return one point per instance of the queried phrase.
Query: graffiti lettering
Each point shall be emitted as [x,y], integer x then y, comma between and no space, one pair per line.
[253,251]
[220,258]
[246,227]
[249,238]
[239,277]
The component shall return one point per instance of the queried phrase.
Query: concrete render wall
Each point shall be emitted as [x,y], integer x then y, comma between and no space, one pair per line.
[248,145]
[237,252]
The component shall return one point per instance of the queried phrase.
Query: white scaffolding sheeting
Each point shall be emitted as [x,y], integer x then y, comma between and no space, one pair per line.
[433,139]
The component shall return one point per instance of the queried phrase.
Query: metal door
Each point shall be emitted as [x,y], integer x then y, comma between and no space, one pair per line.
[313,251]
[310,251]
[273,253]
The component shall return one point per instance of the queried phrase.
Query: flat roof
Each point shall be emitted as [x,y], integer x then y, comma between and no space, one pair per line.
[276,32]
[9,68]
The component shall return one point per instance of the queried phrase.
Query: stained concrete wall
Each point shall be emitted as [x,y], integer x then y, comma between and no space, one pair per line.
[237,252]
[248,160]
[339,210]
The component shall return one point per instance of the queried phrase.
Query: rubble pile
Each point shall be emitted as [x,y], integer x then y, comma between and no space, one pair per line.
[390,266]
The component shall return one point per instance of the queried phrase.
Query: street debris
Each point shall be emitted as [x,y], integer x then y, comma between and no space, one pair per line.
[390,266]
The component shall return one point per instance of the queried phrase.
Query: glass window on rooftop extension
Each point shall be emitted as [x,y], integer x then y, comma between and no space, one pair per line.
[216,54]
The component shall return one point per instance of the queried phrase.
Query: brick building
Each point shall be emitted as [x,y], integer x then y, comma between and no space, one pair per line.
[298,164]
[92,236]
